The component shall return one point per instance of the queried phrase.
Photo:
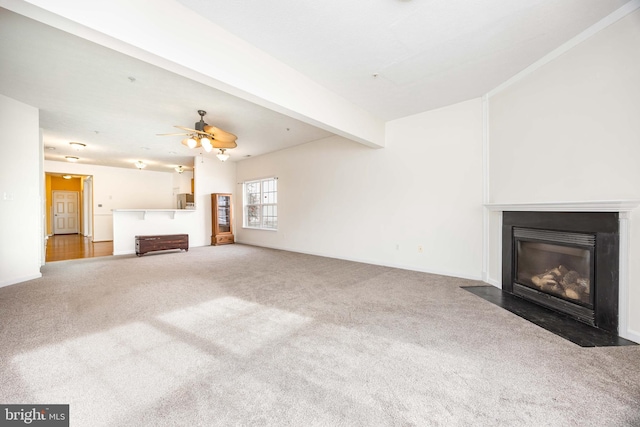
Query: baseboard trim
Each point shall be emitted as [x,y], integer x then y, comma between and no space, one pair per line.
[631,335]
[123,253]
[493,282]
[19,280]
[368,261]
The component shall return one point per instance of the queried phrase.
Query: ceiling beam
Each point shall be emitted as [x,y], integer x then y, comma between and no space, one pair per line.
[168,35]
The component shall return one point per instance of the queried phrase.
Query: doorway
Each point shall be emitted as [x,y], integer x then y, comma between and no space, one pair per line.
[69,219]
[65,212]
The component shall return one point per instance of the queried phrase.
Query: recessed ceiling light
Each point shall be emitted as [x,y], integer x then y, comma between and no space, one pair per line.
[140,164]
[78,145]
[50,148]
[72,158]
[66,176]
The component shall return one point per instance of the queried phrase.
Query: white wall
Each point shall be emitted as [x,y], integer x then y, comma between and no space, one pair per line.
[120,188]
[211,176]
[570,131]
[340,199]
[181,184]
[21,181]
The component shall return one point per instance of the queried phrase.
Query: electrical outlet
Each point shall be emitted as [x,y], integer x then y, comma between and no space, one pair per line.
[420,249]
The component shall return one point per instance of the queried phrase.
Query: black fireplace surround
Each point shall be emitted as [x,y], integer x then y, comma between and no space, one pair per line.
[565,261]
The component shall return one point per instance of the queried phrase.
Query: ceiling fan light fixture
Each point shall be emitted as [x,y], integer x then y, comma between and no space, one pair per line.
[206,144]
[192,142]
[222,156]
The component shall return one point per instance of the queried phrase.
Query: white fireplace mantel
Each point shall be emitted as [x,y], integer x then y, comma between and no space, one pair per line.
[623,207]
[581,206]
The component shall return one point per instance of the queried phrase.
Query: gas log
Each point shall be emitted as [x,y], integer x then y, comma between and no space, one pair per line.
[563,282]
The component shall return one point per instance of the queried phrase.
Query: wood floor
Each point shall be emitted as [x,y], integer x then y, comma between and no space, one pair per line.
[72,246]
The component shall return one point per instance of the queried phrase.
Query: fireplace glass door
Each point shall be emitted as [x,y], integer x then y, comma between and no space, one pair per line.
[557,269]
[567,262]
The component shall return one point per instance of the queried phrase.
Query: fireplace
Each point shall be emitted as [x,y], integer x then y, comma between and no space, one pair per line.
[565,261]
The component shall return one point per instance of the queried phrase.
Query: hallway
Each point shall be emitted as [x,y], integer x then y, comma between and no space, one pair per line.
[72,246]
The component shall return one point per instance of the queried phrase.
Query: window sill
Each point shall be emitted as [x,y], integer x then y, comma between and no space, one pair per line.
[260,229]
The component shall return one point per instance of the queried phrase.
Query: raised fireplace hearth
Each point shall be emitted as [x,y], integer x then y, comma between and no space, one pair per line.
[565,261]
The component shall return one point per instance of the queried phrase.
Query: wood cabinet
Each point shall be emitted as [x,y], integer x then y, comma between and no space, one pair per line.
[222,219]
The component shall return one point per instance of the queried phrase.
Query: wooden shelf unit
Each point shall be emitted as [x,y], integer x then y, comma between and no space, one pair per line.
[222,219]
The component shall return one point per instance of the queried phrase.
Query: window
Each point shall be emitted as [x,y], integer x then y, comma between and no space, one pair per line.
[261,204]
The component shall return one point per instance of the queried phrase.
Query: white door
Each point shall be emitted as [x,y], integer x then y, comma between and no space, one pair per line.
[65,212]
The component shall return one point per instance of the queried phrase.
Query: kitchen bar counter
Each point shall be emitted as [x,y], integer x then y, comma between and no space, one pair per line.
[129,223]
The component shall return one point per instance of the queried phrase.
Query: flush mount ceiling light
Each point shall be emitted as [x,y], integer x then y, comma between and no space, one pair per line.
[179,169]
[206,136]
[66,176]
[140,164]
[78,145]
[222,156]
[72,158]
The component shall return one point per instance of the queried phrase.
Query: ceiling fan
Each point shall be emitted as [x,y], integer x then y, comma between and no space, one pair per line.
[207,137]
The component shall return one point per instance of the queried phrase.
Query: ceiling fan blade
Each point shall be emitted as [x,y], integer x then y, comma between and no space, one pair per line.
[192,131]
[187,129]
[170,134]
[223,144]
[220,134]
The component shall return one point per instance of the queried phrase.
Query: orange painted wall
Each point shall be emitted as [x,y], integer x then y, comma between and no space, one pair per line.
[59,183]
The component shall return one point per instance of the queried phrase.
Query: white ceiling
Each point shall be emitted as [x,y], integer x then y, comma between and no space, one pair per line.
[85,94]
[425,54]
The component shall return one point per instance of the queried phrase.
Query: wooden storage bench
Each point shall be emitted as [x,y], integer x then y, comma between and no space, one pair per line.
[161,242]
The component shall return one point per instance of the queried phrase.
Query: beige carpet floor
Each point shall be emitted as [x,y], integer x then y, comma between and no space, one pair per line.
[240,335]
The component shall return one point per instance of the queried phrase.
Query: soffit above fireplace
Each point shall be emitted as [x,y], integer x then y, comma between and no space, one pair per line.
[581,206]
